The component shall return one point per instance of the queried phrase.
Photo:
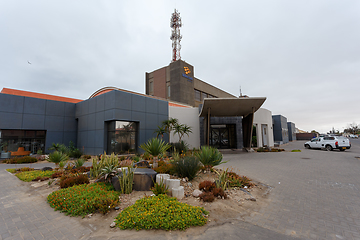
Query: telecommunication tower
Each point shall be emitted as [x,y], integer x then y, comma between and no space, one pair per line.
[175,24]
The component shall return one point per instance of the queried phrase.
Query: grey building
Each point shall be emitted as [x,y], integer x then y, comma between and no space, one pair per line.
[291,129]
[111,120]
[280,129]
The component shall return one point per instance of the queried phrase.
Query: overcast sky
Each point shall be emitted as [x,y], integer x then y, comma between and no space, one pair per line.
[304,56]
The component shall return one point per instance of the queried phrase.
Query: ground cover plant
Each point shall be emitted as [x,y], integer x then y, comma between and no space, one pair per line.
[165,167]
[29,176]
[25,159]
[72,180]
[160,212]
[81,200]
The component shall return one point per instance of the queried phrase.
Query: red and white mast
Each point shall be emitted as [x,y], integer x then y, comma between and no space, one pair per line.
[175,24]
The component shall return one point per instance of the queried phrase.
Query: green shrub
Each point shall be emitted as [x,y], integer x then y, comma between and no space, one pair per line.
[296,150]
[155,147]
[79,162]
[104,161]
[75,153]
[25,159]
[57,157]
[28,176]
[81,200]
[180,147]
[160,188]
[187,167]
[72,180]
[209,156]
[160,212]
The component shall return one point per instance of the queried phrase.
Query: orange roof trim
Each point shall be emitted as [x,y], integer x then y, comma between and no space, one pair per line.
[177,105]
[39,95]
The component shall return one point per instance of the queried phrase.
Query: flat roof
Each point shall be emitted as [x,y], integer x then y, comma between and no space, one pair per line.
[229,107]
[39,95]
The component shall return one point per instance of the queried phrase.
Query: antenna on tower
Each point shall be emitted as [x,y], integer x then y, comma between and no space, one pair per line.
[240,92]
[175,24]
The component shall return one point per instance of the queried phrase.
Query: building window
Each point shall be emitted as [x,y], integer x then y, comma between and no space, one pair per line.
[31,140]
[151,87]
[122,137]
[197,95]
[203,95]
[168,91]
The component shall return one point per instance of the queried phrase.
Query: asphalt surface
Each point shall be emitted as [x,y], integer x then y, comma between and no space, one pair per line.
[314,195]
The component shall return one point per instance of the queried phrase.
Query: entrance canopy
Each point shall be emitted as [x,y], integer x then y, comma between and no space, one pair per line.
[231,107]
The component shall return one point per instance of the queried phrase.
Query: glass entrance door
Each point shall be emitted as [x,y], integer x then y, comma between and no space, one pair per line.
[219,137]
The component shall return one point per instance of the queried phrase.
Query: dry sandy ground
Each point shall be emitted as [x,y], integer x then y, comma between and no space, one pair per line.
[238,205]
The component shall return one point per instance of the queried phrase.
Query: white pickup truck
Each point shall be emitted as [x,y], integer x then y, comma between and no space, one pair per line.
[329,143]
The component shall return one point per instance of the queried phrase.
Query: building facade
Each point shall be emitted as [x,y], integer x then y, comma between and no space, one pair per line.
[177,82]
[280,129]
[112,121]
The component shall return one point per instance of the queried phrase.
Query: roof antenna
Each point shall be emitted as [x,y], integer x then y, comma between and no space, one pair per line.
[240,91]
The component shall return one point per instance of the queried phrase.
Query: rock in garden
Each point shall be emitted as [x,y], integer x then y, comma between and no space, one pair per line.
[46,169]
[196,193]
[142,164]
[117,208]
[116,184]
[113,224]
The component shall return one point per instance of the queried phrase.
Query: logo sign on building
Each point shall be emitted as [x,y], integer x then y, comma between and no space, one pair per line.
[185,75]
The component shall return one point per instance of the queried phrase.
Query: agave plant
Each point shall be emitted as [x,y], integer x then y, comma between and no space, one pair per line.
[109,172]
[209,156]
[155,147]
[57,157]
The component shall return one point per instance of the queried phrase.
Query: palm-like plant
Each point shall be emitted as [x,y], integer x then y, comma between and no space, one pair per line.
[160,131]
[57,157]
[155,147]
[209,156]
[181,130]
[169,125]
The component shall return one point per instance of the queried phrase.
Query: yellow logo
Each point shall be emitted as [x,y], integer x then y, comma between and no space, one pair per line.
[187,70]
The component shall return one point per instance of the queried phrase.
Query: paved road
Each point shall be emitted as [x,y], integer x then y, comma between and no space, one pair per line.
[315,195]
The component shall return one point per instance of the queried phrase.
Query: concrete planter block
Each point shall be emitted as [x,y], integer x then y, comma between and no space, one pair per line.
[172,183]
[162,177]
[178,192]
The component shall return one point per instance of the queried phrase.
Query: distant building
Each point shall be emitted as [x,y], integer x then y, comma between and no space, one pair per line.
[280,129]
[292,131]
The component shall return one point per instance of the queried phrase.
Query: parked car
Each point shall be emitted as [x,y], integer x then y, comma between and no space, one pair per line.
[353,136]
[329,143]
